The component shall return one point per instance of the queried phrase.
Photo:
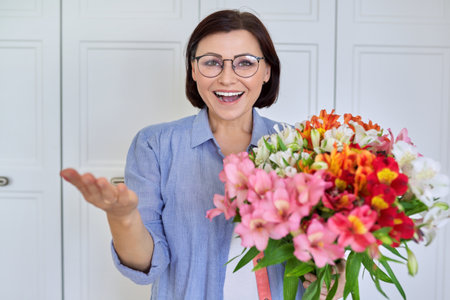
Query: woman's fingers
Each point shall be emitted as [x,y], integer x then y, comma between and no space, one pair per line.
[109,192]
[74,178]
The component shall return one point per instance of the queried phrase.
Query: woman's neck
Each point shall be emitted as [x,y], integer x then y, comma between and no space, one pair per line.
[232,136]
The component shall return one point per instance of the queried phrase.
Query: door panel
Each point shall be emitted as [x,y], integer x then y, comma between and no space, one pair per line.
[30,218]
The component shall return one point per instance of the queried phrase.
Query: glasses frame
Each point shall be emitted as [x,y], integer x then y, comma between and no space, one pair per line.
[258,58]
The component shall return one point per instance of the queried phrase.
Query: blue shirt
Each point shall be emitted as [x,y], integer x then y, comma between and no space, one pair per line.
[174,169]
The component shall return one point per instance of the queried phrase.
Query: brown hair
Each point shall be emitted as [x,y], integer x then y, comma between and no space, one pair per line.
[226,21]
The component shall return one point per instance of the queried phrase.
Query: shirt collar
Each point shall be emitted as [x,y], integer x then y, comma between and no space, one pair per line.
[201,132]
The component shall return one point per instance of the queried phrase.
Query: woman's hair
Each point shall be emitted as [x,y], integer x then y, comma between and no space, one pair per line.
[226,21]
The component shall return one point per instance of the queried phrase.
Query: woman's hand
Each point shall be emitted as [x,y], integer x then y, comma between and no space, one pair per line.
[118,202]
[310,278]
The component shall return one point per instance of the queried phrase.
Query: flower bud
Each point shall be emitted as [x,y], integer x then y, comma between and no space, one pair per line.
[412,263]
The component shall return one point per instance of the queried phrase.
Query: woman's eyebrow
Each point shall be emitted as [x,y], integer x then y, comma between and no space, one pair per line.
[218,55]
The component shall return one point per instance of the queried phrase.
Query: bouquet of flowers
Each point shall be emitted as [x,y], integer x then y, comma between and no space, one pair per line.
[333,188]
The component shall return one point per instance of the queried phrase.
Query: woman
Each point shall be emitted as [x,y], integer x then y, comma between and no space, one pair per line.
[157,218]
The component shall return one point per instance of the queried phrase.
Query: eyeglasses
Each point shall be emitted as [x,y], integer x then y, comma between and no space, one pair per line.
[243,65]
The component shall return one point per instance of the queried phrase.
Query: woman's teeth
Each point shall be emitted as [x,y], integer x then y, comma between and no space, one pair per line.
[228,96]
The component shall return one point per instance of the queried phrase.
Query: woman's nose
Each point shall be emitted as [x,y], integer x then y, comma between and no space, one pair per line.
[227,76]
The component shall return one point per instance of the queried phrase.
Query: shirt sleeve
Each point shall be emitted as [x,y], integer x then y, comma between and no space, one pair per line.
[142,175]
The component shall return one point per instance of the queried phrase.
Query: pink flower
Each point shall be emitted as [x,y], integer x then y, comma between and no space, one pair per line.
[354,229]
[318,243]
[282,212]
[403,136]
[308,189]
[223,205]
[259,183]
[253,229]
[236,171]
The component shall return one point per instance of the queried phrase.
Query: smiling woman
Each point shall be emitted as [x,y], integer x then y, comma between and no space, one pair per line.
[157,218]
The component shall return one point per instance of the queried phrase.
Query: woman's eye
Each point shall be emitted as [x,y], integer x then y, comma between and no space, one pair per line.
[245,63]
[211,63]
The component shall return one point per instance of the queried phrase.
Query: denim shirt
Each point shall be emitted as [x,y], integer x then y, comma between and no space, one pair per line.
[174,169]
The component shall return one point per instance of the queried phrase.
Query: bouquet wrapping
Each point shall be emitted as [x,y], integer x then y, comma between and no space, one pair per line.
[333,188]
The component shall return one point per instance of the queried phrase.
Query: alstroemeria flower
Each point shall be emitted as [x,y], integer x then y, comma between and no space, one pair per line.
[338,136]
[426,182]
[386,171]
[254,230]
[282,213]
[382,197]
[223,205]
[236,170]
[364,137]
[354,229]
[405,154]
[318,243]
[308,190]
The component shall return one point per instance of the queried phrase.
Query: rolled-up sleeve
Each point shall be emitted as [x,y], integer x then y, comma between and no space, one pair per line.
[143,176]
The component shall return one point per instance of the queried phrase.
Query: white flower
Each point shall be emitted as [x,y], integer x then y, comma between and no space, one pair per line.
[285,160]
[288,135]
[426,182]
[315,140]
[341,135]
[261,152]
[433,219]
[405,154]
[364,137]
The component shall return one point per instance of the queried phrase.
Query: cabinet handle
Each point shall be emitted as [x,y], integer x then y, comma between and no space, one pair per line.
[4,181]
[117,180]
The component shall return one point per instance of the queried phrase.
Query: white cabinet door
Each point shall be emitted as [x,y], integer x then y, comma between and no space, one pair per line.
[393,66]
[123,70]
[30,214]
[303,34]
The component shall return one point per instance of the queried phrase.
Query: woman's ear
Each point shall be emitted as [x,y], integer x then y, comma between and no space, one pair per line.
[267,74]
[194,71]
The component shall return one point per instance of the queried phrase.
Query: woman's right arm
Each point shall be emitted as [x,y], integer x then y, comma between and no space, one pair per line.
[132,241]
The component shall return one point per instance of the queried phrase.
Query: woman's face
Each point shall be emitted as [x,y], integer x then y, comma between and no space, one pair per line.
[228,96]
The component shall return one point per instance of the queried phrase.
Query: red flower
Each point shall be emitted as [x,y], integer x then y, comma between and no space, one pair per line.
[386,172]
[354,229]
[381,197]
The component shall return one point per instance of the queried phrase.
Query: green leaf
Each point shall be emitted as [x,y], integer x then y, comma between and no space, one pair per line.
[394,251]
[327,276]
[243,250]
[397,284]
[351,273]
[281,145]
[333,290]
[251,254]
[374,269]
[269,146]
[313,290]
[355,292]
[375,273]
[290,284]
[413,207]
[301,269]
[277,256]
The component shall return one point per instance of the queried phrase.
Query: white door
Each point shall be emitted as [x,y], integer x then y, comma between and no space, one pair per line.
[393,66]
[123,69]
[30,214]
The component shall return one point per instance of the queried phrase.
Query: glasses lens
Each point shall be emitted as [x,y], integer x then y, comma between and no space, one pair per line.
[246,65]
[210,66]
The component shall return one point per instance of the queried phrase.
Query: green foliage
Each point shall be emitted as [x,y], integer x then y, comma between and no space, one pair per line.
[251,254]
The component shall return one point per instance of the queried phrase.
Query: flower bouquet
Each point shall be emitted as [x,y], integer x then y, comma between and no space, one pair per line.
[332,188]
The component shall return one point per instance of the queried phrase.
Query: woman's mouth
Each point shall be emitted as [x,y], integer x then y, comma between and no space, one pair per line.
[228,97]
